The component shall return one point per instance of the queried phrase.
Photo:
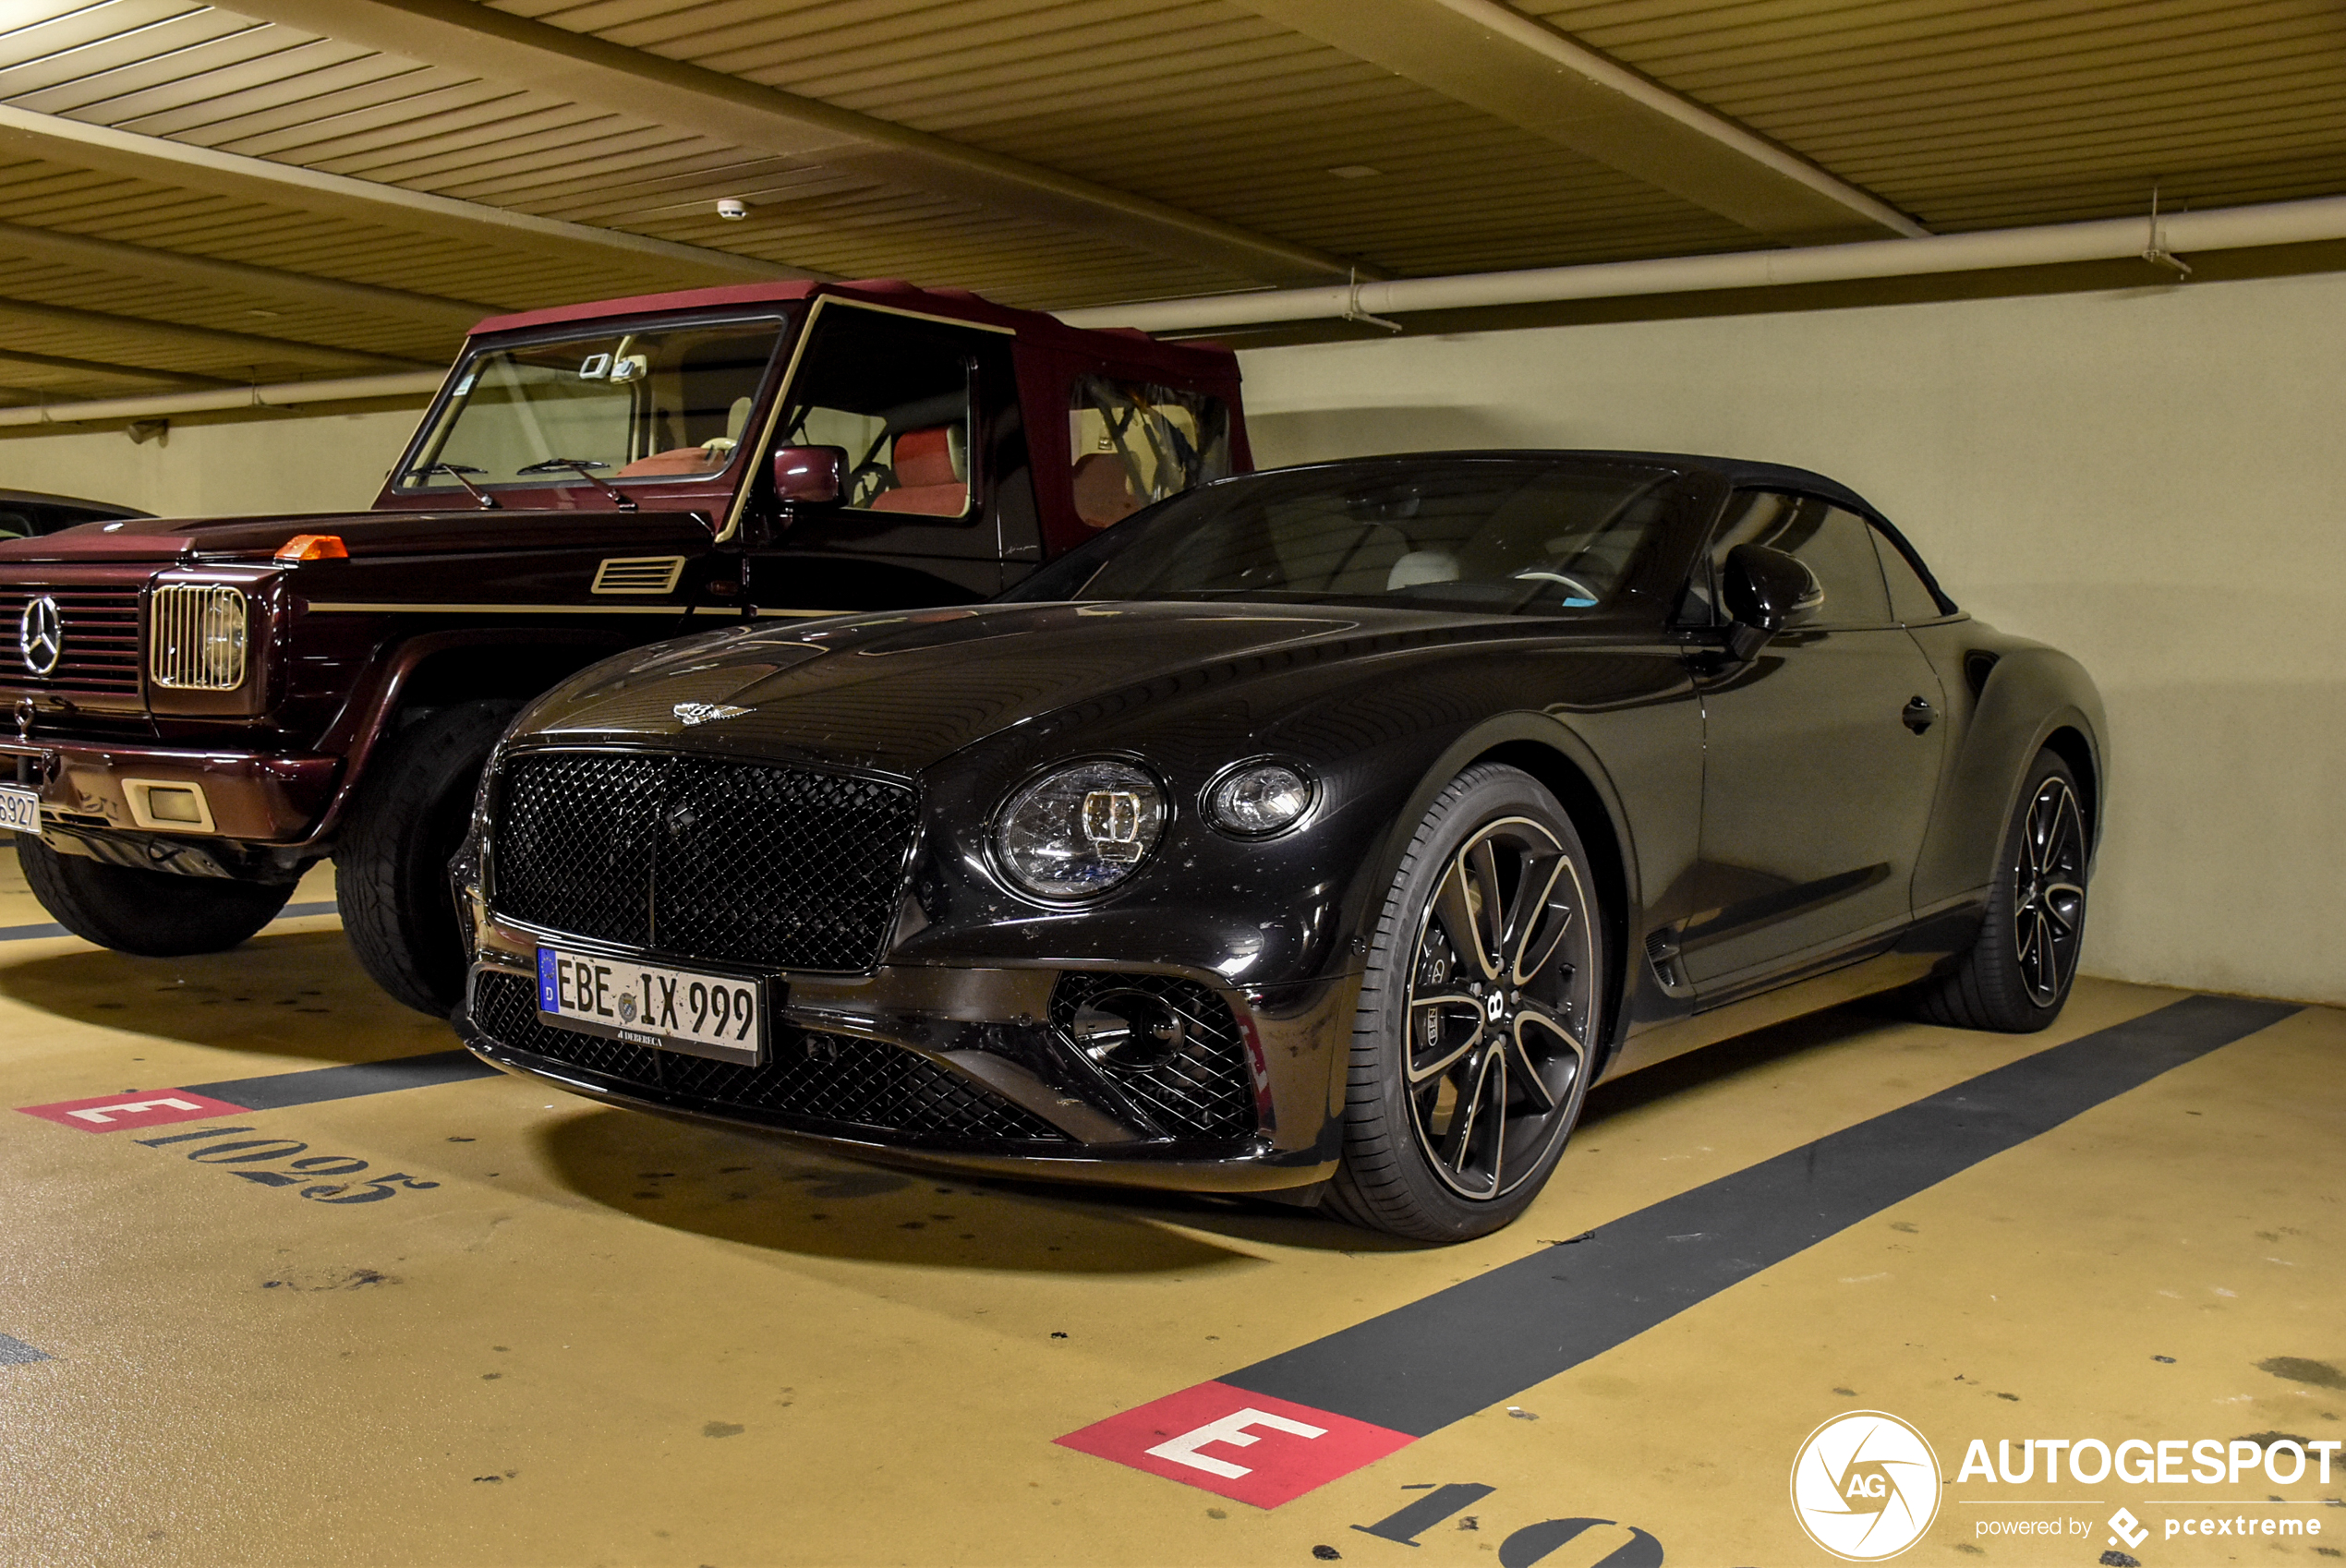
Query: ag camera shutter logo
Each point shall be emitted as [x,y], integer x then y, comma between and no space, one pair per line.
[1865,1486]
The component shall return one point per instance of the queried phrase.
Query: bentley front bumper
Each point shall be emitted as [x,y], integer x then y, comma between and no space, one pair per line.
[1139,1075]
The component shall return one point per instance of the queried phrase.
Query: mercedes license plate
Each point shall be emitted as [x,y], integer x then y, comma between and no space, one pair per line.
[20,811]
[692,1011]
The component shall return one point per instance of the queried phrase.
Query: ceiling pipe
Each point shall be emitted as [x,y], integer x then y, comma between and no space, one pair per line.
[2231,228]
[283,394]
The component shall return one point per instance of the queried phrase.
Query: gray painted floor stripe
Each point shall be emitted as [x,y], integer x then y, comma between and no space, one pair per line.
[1476,1345]
[274,1092]
[17,1352]
[27,933]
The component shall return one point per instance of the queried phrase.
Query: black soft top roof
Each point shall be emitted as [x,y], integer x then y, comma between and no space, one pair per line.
[95,508]
[1736,472]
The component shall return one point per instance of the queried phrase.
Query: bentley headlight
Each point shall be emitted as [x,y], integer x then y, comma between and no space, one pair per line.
[1079,830]
[1260,798]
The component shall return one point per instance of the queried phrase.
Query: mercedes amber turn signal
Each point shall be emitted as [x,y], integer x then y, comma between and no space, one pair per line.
[313,547]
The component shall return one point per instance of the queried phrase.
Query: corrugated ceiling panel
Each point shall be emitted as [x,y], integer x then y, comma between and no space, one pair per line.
[1203,105]
[277,93]
[1968,113]
[109,207]
[1980,116]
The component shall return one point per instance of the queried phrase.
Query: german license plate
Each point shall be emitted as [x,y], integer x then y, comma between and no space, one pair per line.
[20,811]
[692,1011]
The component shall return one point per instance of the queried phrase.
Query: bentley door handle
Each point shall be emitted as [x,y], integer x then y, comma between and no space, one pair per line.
[1917,714]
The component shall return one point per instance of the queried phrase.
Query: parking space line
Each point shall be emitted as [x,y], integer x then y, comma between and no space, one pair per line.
[1475,1345]
[51,928]
[274,1092]
[271,1091]
[17,1352]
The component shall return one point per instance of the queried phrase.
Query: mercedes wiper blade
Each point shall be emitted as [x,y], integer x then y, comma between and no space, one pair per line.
[457,472]
[585,467]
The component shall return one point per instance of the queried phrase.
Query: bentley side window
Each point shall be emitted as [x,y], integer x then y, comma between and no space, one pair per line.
[1832,541]
[894,395]
[1133,444]
[1504,536]
[1911,600]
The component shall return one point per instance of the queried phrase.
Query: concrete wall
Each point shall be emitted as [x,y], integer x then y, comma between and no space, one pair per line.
[290,463]
[2154,480]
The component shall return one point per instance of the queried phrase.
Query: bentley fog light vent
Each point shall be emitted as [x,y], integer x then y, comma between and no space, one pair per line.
[198,638]
[1128,1029]
[1171,1045]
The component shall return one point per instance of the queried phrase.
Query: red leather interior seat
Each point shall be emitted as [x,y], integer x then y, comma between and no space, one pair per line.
[1103,490]
[932,474]
[676,460]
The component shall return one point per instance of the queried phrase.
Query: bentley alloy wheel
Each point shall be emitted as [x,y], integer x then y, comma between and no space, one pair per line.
[1497,1005]
[1479,1015]
[2048,906]
[2015,975]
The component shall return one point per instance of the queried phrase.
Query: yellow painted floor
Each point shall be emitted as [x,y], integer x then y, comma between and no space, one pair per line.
[576,1336]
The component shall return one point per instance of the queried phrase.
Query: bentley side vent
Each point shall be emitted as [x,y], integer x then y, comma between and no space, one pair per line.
[638,574]
[1662,952]
[1977,665]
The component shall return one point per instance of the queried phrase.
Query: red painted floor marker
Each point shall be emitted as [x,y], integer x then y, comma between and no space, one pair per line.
[1251,1447]
[144,1107]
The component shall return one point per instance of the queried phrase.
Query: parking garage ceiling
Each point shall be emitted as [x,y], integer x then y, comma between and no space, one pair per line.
[192,196]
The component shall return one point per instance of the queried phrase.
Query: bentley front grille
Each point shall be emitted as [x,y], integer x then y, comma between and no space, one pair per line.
[704,857]
[823,1083]
[87,642]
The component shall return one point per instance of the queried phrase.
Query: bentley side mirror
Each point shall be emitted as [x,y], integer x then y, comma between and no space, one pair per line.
[1766,592]
[809,473]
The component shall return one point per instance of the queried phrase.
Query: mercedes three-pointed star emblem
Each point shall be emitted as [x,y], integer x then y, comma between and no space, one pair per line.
[40,635]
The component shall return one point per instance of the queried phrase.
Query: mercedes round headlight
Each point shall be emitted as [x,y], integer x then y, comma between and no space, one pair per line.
[198,636]
[1079,830]
[221,637]
[1259,799]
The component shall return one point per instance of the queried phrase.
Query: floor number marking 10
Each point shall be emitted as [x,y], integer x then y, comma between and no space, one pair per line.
[316,1170]
[1527,1546]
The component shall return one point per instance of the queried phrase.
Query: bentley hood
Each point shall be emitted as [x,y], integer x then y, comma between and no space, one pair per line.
[901,692]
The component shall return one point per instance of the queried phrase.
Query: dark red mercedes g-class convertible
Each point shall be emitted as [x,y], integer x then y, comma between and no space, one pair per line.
[202,709]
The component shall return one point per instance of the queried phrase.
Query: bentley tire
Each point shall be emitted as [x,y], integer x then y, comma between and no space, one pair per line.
[2017,972]
[1473,1041]
[157,913]
[391,865]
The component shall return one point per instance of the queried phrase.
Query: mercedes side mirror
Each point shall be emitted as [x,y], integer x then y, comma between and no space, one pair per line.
[809,473]
[1766,592]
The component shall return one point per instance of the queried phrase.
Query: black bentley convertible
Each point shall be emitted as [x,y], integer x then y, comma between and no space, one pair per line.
[1326,831]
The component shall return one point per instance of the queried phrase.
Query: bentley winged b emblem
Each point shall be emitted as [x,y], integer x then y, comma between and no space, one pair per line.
[701,713]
